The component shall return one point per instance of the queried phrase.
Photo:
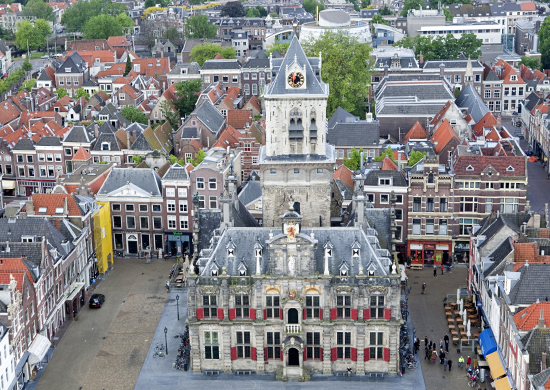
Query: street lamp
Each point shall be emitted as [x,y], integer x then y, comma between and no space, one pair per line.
[178,306]
[166,338]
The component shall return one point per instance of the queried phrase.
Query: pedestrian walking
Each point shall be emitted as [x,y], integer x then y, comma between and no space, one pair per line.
[469,362]
[446,339]
[461,362]
[417,345]
[168,286]
[450,363]
[428,351]
[441,268]
[435,271]
[444,364]
[440,344]
[423,287]
[425,341]
[441,356]
[430,344]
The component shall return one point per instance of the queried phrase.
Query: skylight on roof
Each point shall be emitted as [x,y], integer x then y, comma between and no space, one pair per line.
[59,210]
[42,210]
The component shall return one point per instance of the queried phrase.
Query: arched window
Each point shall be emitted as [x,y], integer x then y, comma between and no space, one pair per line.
[430,177]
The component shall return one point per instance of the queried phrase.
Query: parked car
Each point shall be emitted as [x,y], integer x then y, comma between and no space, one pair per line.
[96,300]
[45,57]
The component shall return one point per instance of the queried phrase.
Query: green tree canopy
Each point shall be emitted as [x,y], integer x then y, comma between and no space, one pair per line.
[81,92]
[388,152]
[198,26]
[379,19]
[134,115]
[233,9]
[282,47]
[448,15]
[252,12]
[153,3]
[102,27]
[385,11]
[411,4]
[128,65]
[415,157]
[532,63]
[199,156]
[442,47]
[167,110]
[311,6]
[274,15]
[61,92]
[544,43]
[262,10]
[76,17]
[347,67]
[125,22]
[208,51]
[352,161]
[27,66]
[38,9]
[36,36]
[186,93]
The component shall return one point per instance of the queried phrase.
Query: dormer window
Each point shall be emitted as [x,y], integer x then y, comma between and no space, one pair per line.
[67,70]
[355,252]
[242,269]
[510,169]
[105,146]
[513,77]
[355,249]
[214,272]
[258,252]
[184,71]
[42,210]
[344,269]
[469,168]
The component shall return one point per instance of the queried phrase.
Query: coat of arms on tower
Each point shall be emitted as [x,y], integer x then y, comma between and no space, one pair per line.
[291,230]
[292,294]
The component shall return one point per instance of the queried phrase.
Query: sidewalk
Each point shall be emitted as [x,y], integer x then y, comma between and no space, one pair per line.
[428,317]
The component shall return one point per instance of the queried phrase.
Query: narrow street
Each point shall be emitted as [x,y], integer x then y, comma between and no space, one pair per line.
[105,348]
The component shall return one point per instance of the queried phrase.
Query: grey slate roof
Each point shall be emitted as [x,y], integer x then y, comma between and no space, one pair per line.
[122,120]
[220,64]
[493,228]
[491,76]
[33,251]
[421,91]
[108,109]
[106,127]
[73,64]
[541,379]
[49,141]
[24,144]
[531,101]
[44,76]
[251,192]
[278,85]
[256,63]
[452,64]
[242,217]
[141,143]
[339,116]
[361,133]
[78,134]
[498,255]
[90,83]
[421,109]
[176,172]
[470,99]
[536,342]
[210,116]
[106,137]
[371,178]
[532,285]
[192,68]
[404,61]
[146,179]
[189,132]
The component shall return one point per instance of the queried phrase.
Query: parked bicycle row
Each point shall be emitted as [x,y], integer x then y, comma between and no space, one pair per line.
[184,351]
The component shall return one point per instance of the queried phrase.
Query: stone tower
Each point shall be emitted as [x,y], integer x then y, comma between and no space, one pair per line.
[296,164]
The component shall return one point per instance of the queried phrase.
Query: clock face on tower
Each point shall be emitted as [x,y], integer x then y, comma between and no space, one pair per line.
[296,79]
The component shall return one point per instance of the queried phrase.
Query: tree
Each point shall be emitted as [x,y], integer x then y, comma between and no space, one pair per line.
[347,67]
[153,3]
[388,152]
[263,11]
[282,47]
[76,17]
[24,36]
[42,30]
[532,63]
[385,11]
[173,35]
[186,93]
[61,92]
[274,15]
[252,12]
[81,92]
[352,161]
[544,43]
[134,115]
[415,157]
[137,159]
[199,156]
[27,66]
[233,9]
[128,65]
[199,27]
[442,47]
[411,4]
[208,51]
[469,45]
[175,160]
[167,110]
[102,27]
[311,6]
[378,19]
[448,15]
[125,22]
[38,9]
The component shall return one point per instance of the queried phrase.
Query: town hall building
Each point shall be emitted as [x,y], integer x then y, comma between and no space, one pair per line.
[295,296]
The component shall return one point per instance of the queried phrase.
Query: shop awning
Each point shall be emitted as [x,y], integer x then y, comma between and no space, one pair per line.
[495,364]
[502,384]
[75,289]
[39,349]
[487,342]
[8,184]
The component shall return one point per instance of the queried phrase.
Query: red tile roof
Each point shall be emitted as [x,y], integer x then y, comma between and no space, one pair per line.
[118,41]
[228,137]
[543,108]
[239,118]
[468,118]
[528,6]
[507,72]
[500,163]
[487,121]
[219,57]
[493,135]
[8,112]
[440,114]
[528,318]
[82,155]
[16,268]
[254,103]
[443,135]
[53,201]
[344,174]
[388,164]
[416,132]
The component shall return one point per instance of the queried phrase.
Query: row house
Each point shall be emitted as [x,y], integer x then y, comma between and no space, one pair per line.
[492,90]
[184,71]
[72,73]
[538,131]
[225,72]
[176,191]
[255,28]
[458,72]
[514,87]
[127,96]
[208,122]
[256,73]
[136,200]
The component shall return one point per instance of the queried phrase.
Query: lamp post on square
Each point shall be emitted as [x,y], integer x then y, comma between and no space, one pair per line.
[178,306]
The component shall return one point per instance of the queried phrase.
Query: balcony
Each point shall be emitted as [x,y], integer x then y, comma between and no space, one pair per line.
[293,328]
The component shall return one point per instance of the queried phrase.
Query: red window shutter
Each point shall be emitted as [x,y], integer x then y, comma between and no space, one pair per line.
[332,314]
[281,355]
[321,352]
[366,354]
[354,354]
[234,353]
[305,314]
[265,353]
[281,313]
[333,354]
[253,355]
[252,313]
[265,314]
[387,314]
[353,314]
[200,314]
[366,314]
[305,354]
[231,314]
[220,314]
[321,313]
[386,354]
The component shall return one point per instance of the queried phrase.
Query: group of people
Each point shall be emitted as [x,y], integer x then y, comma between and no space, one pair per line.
[430,348]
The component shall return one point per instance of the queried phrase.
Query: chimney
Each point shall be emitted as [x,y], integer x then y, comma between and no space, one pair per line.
[96,130]
[499,122]
[481,59]
[162,54]
[543,361]
[421,58]
[30,207]
[385,70]
[65,208]
[442,70]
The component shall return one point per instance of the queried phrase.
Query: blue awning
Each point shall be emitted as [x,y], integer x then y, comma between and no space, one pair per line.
[487,342]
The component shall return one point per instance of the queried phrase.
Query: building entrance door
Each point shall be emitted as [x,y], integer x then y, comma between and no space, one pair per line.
[293,357]
[292,316]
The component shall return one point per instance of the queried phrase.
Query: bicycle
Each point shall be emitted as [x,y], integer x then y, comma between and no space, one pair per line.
[158,351]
